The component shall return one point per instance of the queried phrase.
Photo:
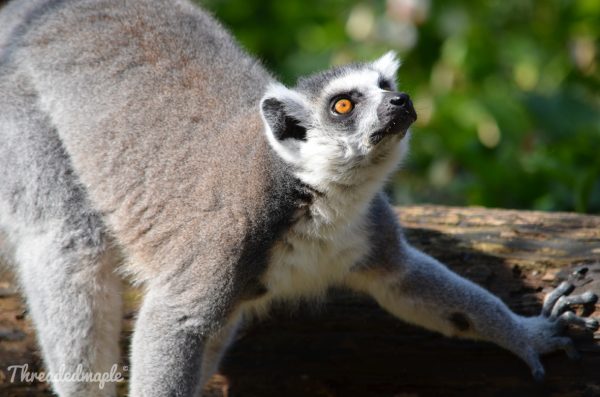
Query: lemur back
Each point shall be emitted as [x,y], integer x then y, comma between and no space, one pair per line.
[139,130]
[147,167]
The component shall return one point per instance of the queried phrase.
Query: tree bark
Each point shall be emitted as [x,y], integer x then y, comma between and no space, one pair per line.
[350,347]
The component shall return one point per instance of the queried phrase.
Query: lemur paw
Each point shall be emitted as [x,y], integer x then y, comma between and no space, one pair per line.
[546,332]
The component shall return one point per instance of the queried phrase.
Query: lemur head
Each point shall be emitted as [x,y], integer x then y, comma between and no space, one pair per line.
[343,125]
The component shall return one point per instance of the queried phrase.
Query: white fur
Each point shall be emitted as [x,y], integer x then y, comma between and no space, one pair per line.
[319,251]
[388,64]
[304,265]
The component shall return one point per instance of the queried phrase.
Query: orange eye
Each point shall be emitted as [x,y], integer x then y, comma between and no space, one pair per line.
[343,106]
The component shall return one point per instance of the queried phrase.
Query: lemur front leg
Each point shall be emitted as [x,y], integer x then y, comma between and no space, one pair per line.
[180,316]
[422,291]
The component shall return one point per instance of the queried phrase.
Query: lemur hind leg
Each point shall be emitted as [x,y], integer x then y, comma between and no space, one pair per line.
[63,256]
[74,299]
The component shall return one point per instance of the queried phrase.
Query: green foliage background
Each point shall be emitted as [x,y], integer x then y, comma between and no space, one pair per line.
[507,91]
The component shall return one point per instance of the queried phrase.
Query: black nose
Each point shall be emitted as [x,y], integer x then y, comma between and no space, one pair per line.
[400,100]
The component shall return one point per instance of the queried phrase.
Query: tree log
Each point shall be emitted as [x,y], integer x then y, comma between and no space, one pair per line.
[348,346]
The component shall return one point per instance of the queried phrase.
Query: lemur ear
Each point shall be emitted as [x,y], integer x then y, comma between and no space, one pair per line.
[285,113]
[387,65]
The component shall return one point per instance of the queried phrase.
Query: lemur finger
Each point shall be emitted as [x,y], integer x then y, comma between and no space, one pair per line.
[532,359]
[537,370]
[539,375]
[564,288]
[564,303]
[570,318]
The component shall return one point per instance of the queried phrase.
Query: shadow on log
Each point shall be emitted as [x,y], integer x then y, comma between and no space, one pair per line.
[349,347]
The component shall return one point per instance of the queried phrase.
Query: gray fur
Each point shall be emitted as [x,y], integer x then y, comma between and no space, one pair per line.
[133,129]
[313,84]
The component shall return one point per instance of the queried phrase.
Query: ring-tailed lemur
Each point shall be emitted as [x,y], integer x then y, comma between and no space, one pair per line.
[141,127]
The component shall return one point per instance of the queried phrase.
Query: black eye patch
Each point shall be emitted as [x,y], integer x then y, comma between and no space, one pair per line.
[354,95]
[340,120]
[384,84]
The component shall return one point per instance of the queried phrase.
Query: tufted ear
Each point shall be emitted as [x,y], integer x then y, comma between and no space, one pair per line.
[387,65]
[287,117]
[285,113]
